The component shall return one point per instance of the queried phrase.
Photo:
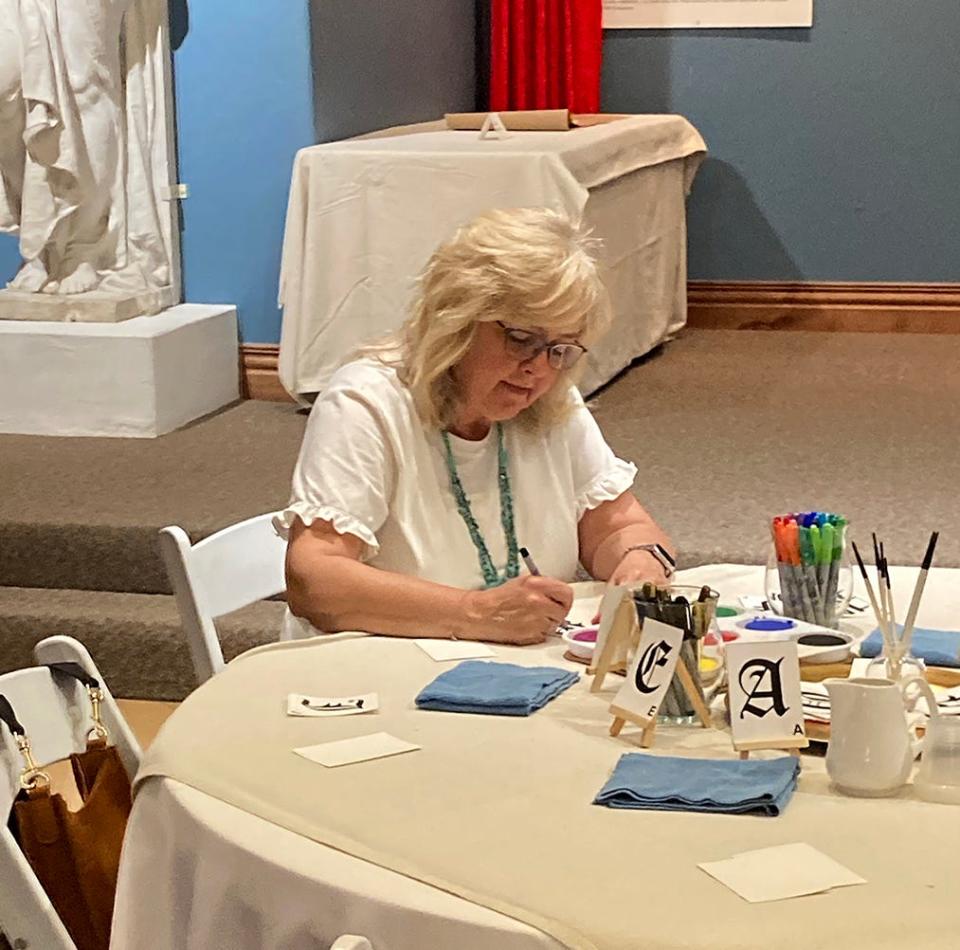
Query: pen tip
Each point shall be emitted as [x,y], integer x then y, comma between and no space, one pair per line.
[524,552]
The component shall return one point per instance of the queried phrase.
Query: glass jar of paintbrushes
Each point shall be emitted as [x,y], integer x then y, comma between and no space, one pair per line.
[894,660]
[808,574]
[693,610]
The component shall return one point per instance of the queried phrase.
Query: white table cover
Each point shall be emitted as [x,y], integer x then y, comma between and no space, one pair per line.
[197,872]
[364,215]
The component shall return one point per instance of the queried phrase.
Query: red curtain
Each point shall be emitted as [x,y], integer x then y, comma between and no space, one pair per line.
[545,54]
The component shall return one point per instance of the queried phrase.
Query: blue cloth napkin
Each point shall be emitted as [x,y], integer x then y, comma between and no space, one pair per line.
[934,647]
[500,689]
[722,786]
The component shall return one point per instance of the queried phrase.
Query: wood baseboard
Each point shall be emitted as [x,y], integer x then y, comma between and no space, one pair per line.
[849,307]
[743,305]
[258,372]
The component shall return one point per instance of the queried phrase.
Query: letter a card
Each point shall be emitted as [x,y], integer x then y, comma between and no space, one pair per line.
[649,674]
[766,707]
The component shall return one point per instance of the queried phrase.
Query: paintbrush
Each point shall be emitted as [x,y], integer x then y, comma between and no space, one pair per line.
[881,623]
[905,640]
[882,588]
[891,610]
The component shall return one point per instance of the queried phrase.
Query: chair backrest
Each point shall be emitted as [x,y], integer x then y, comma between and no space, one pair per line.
[230,569]
[55,714]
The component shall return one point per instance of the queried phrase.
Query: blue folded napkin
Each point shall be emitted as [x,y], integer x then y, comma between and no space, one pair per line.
[723,786]
[934,647]
[500,689]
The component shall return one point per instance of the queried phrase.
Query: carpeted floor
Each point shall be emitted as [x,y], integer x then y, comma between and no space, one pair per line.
[731,427]
[727,427]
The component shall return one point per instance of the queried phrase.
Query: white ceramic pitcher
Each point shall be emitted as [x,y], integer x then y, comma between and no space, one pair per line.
[873,739]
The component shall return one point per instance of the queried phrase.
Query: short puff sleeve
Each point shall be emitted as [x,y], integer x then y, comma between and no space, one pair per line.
[346,470]
[598,475]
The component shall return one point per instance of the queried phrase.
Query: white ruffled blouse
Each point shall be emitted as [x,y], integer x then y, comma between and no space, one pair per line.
[368,465]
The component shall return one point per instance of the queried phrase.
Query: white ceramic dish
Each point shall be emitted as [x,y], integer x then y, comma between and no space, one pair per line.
[581,648]
[825,653]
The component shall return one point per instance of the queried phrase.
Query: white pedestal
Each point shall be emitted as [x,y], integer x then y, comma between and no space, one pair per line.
[136,379]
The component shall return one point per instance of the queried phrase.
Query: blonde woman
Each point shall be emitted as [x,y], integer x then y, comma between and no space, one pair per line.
[430,460]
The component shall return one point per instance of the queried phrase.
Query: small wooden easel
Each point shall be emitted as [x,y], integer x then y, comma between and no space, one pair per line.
[773,726]
[617,637]
[641,706]
[793,748]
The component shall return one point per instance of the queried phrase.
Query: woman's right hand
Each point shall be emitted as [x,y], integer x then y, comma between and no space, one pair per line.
[523,610]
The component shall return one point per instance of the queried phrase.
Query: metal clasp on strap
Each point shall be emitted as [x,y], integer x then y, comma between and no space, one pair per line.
[98,731]
[32,777]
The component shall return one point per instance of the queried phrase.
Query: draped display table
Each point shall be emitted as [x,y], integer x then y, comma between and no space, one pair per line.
[365,214]
[486,836]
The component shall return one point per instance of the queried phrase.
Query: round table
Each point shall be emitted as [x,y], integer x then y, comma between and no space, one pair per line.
[200,872]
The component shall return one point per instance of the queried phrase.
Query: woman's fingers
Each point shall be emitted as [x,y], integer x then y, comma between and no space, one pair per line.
[552,589]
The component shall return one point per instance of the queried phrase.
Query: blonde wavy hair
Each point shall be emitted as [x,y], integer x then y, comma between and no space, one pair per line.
[529,267]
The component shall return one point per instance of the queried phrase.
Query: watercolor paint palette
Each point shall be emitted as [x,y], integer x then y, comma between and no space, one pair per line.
[815,644]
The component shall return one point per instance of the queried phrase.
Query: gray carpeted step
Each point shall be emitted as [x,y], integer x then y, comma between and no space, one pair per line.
[83,514]
[135,639]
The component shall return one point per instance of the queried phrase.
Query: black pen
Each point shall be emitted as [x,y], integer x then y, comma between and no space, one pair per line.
[535,572]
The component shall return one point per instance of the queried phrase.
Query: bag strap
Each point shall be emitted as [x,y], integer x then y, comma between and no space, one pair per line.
[9,717]
[32,777]
[75,671]
[98,734]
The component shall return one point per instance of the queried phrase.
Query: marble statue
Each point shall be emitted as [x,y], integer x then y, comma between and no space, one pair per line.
[85,158]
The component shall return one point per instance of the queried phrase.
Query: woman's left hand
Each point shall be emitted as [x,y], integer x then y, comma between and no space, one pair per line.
[634,568]
[639,566]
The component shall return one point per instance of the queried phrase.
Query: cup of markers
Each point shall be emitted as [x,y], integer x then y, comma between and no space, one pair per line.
[808,574]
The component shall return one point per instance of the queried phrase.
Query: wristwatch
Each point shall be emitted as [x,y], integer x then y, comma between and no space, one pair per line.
[662,556]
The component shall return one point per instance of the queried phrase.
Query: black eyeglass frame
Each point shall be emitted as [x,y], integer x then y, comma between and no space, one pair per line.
[557,350]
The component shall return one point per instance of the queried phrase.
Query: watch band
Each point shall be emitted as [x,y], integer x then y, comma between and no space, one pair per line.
[660,554]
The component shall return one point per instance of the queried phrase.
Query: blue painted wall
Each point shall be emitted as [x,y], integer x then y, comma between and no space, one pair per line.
[835,152]
[244,107]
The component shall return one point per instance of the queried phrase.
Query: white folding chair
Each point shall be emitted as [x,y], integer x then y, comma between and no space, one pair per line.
[230,569]
[55,713]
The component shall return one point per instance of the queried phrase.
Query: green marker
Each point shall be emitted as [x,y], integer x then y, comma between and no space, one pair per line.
[811,594]
[823,551]
[836,557]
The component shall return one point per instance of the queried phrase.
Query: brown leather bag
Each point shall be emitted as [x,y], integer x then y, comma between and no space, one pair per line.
[76,854]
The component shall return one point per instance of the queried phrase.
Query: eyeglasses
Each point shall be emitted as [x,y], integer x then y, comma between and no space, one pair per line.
[526,345]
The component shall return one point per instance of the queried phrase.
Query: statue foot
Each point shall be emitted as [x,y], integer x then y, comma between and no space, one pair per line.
[84,278]
[31,278]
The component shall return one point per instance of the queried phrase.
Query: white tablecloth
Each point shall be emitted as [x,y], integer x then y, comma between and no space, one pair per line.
[199,873]
[364,216]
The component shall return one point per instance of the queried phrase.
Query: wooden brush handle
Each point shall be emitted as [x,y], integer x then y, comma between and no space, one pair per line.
[935,675]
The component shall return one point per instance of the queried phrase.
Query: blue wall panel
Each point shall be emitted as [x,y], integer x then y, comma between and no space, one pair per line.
[244,107]
[834,151]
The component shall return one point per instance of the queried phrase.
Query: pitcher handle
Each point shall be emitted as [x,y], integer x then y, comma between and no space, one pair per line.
[915,719]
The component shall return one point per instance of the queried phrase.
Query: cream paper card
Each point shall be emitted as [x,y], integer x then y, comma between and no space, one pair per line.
[441,650]
[324,707]
[650,672]
[776,874]
[377,745]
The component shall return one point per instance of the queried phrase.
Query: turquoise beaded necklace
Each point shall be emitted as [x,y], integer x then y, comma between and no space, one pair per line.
[491,575]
